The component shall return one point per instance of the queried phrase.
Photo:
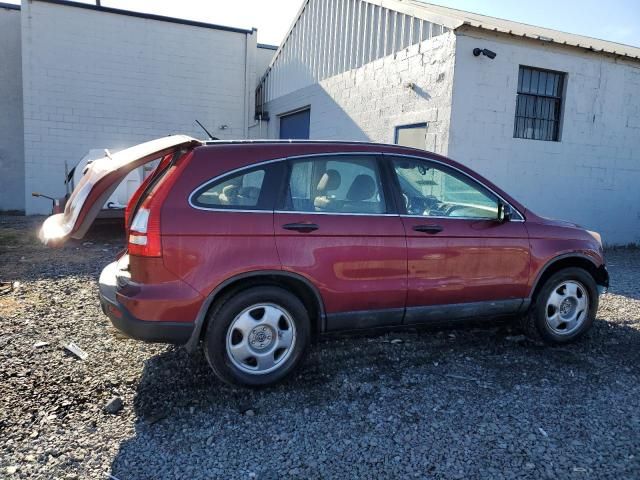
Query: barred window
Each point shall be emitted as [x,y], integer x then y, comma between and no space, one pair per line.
[538,104]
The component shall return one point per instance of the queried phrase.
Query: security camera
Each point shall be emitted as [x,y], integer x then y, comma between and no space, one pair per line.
[489,53]
[484,51]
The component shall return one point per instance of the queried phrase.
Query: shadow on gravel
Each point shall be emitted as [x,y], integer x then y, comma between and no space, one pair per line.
[441,381]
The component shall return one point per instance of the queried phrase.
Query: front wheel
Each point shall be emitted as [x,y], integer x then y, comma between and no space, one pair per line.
[564,308]
[257,336]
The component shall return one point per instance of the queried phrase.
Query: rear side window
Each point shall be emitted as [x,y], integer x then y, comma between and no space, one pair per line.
[244,190]
[340,184]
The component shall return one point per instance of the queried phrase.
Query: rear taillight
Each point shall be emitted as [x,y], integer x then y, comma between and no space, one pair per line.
[144,231]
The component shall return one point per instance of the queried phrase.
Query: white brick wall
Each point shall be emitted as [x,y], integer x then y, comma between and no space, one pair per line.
[94,80]
[11,142]
[592,176]
[367,103]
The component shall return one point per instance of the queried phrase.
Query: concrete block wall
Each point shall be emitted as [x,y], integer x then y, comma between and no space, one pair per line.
[11,125]
[592,175]
[367,103]
[93,79]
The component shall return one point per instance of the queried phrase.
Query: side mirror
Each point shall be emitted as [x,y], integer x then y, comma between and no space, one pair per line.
[504,212]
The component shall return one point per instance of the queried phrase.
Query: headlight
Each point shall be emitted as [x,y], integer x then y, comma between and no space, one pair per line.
[596,236]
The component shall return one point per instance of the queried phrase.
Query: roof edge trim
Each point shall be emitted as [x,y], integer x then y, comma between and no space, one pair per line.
[9,6]
[546,40]
[148,16]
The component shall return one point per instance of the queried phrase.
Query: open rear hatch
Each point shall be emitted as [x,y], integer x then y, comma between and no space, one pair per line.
[100,181]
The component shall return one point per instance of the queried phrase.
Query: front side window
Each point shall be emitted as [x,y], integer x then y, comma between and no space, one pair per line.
[239,191]
[538,104]
[340,184]
[431,191]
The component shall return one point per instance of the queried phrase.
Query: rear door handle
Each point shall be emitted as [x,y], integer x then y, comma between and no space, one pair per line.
[301,227]
[428,228]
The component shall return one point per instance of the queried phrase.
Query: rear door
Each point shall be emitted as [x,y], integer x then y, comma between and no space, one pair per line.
[100,181]
[226,226]
[462,260]
[336,225]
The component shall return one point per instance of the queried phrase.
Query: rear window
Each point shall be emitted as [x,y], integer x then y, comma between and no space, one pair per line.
[239,191]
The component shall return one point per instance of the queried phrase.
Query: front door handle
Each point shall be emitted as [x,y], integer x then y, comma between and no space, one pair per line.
[301,227]
[428,228]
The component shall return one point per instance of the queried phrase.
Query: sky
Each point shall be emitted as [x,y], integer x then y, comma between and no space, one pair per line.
[614,20]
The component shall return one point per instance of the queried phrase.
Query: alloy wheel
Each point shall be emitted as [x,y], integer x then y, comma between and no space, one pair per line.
[567,307]
[261,338]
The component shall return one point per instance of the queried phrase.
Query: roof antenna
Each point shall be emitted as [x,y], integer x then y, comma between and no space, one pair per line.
[211,137]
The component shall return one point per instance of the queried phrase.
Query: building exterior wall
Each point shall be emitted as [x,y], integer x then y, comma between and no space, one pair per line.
[11,125]
[264,55]
[330,37]
[367,103]
[592,175]
[93,79]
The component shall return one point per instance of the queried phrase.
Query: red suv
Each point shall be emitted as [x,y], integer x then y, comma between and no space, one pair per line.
[253,248]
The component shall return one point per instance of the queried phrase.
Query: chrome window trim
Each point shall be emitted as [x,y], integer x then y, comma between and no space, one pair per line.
[476,219]
[339,213]
[232,210]
[354,153]
[267,162]
[228,174]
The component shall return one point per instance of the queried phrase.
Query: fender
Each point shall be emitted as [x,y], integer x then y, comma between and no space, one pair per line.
[194,339]
[564,256]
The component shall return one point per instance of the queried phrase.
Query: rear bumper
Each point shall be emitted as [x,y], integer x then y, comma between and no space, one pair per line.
[149,331]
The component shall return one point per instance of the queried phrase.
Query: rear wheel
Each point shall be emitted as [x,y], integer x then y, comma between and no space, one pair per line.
[257,336]
[564,308]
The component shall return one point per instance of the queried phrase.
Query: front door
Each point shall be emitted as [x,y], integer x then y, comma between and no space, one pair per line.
[462,260]
[336,227]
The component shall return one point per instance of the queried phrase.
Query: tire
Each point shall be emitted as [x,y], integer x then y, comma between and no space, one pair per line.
[554,316]
[256,337]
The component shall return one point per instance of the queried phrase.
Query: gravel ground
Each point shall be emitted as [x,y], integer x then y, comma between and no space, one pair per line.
[458,403]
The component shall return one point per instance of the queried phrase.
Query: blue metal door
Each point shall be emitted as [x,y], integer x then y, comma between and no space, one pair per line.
[295,125]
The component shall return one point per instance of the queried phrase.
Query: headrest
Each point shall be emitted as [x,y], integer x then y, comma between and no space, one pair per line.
[330,180]
[362,188]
